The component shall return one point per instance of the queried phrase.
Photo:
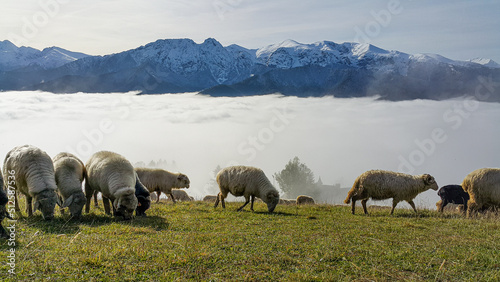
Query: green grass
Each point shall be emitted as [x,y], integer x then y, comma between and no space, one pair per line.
[194,241]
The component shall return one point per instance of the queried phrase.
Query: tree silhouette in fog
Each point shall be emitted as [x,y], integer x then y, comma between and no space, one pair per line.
[297,179]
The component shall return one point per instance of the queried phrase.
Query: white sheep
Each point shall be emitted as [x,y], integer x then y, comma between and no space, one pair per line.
[159,180]
[69,173]
[34,177]
[181,195]
[381,185]
[304,200]
[249,182]
[113,176]
[483,186]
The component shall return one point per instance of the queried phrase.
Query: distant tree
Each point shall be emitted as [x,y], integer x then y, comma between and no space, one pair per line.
[212,188]
[297,179]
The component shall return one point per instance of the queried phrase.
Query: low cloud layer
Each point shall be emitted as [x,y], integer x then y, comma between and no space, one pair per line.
[337,138]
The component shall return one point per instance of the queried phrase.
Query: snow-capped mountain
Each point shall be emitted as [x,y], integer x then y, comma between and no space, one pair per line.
[13,57]
[289,67]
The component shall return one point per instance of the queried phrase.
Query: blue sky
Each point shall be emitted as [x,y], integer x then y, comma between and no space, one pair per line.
[455,29]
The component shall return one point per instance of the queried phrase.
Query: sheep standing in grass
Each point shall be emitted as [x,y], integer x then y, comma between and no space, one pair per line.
[160,180]
[249,182]
[452,194]
[113,176]
[141,193]
[304,200]
[381,185]
[181,195]
[483,186]
[34,177]
[69,173]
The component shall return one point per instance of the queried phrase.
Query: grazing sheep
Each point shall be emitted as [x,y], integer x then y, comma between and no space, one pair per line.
[210,198]
[3,210]
[483,186]
[160,180]
[452,194]
[249,182]
[381,185]
[34,177]
[304,200]
[142,194]
[113,176]
[181,195]
[69,173]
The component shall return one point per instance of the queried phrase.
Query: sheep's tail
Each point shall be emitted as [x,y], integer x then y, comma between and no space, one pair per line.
[351,192]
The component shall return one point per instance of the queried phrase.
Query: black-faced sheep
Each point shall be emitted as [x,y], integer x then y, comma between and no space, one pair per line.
[34,177]
[143,197]
[483,186]
[249,182]
[452,194]
[69,173]
[141,193]
[3,209]
[113,176]
[160,180]
[304,200]
[381,185]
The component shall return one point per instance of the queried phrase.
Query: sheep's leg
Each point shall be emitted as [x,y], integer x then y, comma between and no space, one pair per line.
[172,196]
[158,194]
[16,204]
[353,206]
[363,203]
[394,204]
[88,195]
[96,203]
[217,201]
[443,204]
[29,208]
[246,203]
[412,204]
[251,204]
[105,203]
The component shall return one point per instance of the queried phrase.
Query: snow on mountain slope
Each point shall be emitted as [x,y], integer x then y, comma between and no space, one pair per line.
[13,57]
[485,62]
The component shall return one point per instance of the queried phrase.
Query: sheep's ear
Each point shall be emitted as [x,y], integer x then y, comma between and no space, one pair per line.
[428,179]
[37,205]
[116,204]
[59,201]
[68,202]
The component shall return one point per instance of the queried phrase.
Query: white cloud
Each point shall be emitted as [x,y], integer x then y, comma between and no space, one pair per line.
[337,138]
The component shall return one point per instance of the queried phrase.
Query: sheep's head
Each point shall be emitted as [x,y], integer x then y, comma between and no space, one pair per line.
[75,204]
[430,182]
[182,181]
[46,201]
[125,203]
[143,205]
[271,199]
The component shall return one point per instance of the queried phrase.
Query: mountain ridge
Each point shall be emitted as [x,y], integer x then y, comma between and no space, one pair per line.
[289,67]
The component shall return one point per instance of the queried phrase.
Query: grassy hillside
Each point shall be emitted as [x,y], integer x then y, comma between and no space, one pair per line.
[192,241]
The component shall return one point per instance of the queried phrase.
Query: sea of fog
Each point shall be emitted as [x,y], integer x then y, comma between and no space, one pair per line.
[338,139]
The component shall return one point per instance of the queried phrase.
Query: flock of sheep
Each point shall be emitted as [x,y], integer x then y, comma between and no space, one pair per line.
[49,182]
